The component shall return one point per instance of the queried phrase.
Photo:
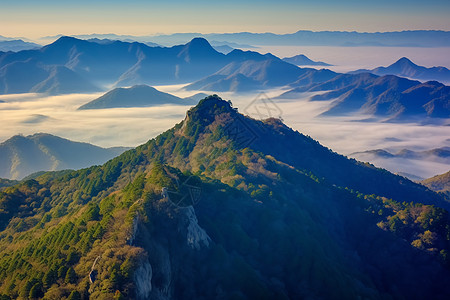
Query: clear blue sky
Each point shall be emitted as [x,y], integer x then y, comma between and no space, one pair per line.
[32,18]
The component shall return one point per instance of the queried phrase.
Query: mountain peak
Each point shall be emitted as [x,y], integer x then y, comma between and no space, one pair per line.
[199,49]
[66,39]
[64,42]
[200,42]
[404,61]
[206,110]
[211,101]
[199,45]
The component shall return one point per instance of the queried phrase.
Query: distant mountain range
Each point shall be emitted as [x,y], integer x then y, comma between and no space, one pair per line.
[70,65]
[84,66]
[303,60]
[417,38]
[389,97]
[32,76]
[413,38]
[438,154]
[416,165]
[225,49]
[21,156]
[139,96]
[247,72]
[17,45]
[406,68]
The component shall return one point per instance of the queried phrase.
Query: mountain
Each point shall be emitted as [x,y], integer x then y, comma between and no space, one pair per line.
[249,71]
[390,97]
[178,64]
[41,79]
[136,96]
[115,62]
[224,206]
[410,38]
[21,156]
[196,97]
[17,45]
[303,60]
[225,49]
[406,68]
[415,165]
[438,183]
[437,154]
[91,63]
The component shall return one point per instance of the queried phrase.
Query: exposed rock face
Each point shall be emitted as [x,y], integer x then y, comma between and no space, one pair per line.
[143,280]
[196,236]
[134,230]
[93,273]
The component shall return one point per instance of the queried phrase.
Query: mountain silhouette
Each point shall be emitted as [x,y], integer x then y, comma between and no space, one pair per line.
[406,68]
[17,45]
[303,60]
[21,156]
[390,97]
[136,96]
[249,71]
[41,79]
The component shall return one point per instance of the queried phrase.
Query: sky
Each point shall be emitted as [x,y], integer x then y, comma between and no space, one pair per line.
[33,19]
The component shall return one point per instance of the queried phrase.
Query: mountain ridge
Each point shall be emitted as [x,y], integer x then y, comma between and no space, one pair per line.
[22,156]
[404,67]
[136,96]
[303,60]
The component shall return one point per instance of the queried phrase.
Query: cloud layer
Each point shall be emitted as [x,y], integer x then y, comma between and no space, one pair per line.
[58,115]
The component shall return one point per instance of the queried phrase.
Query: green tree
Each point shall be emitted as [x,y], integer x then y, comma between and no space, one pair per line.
[75,295]
[49,278]
[93,213]
[71,276]
[62,271]
[73,257]
[36,291]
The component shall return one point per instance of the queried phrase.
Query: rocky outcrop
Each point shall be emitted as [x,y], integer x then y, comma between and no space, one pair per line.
[93,273]
[143,280]
[196,236]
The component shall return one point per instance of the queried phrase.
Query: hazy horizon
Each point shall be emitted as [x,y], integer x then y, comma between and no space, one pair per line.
[31,19]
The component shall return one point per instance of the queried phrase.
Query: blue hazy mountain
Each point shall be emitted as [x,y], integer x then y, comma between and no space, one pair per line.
[406,68]
[109,62]
[138,96]
[17,45]
[412,38]
[249,71]
[21,156]
[33,76]
[183,63]
[225,49]
[409,163]
[391,97]
[303,60]
[437,154]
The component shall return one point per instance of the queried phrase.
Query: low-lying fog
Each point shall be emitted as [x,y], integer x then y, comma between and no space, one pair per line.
[346,59]
[58,115]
